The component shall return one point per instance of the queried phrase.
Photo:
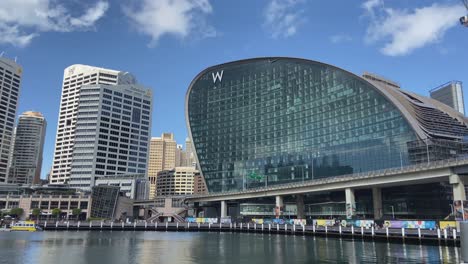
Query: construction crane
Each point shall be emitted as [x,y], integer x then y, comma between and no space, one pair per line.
[464,19]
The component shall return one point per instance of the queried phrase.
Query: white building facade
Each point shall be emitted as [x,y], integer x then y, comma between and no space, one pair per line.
[10,80]
[112,133]
[74,78]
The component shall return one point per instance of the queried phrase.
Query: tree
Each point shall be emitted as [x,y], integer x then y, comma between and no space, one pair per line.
[36,212]
[17,212]
[56,212]
[76,212]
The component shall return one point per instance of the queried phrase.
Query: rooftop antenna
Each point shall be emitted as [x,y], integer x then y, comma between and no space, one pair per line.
[16,58]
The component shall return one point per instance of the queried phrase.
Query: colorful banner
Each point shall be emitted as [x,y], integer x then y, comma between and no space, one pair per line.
[279,221]
[324,222]
[190,219]
[226,220]
[350,210]
[446,224]
[364,223]
[410,224]
[299,221]
[257,221]
[458,210]
[202,220]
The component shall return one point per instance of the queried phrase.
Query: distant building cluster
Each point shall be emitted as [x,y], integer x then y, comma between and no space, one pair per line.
[166,160]
[271,124]
[103,136]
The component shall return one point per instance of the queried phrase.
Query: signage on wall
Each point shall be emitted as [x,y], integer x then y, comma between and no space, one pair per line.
[218,75]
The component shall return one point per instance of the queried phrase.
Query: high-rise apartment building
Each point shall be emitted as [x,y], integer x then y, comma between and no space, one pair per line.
[178,181]
[451,94]
[112,132]
[10,79]
[74,78]
[26,162]
[162,157]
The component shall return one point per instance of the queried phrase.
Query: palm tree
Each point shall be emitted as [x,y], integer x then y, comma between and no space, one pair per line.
[56,212]
[36,212]
[76,212]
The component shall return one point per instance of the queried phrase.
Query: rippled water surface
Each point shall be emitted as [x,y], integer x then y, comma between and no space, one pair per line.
[179,247]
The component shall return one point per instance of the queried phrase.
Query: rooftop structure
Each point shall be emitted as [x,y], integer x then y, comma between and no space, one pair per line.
[451,94]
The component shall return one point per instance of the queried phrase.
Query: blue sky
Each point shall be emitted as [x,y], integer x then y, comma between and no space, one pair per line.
[165,43]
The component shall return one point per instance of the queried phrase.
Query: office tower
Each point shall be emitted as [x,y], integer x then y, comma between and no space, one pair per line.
[111,133]
[10,79]
[162,157]
[179,156]
[189,155]
[73,78]
[26,161]
[451,94]
[177,181]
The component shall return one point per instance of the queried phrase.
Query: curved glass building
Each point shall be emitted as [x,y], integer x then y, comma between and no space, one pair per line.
[275,120]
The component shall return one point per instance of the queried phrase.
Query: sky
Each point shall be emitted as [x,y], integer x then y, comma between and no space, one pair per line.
[166,43]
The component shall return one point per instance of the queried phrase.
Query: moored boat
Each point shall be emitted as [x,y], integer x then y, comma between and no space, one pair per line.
[25,226]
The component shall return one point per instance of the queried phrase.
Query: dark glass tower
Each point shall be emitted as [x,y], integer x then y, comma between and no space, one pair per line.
[268,121]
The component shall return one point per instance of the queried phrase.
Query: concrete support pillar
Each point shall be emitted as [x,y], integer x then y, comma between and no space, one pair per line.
[300,206]
[350,203]
[377,202]
[223,209]
[278,205]
[458,187]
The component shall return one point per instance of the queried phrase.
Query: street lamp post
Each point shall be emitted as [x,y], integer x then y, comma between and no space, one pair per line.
[393,212]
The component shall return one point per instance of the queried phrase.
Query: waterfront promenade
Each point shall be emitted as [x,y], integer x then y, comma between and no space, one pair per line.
[442,236]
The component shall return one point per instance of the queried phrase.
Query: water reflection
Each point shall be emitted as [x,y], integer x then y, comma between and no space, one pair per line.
[171,247]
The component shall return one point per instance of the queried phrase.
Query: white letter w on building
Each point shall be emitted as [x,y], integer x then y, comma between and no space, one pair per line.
[217,76]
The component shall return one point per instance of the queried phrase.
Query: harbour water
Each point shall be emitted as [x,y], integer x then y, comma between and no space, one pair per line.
[203,247]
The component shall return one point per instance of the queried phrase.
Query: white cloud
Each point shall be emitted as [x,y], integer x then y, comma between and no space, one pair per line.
[283,17]
[23,20]
[340,38]
[370,5]
[402,31]
[156,18]
[91,16]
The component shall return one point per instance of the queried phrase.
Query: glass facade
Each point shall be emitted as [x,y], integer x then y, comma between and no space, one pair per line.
[276,120]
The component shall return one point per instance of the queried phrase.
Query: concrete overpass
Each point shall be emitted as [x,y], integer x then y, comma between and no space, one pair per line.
[453,171]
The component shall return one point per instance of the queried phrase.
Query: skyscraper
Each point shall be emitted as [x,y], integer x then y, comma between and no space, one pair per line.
[189,155]
[10,79]
[73,78]
[179,155]
[162,157]
[26,161]
[451,94]
[112,132]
